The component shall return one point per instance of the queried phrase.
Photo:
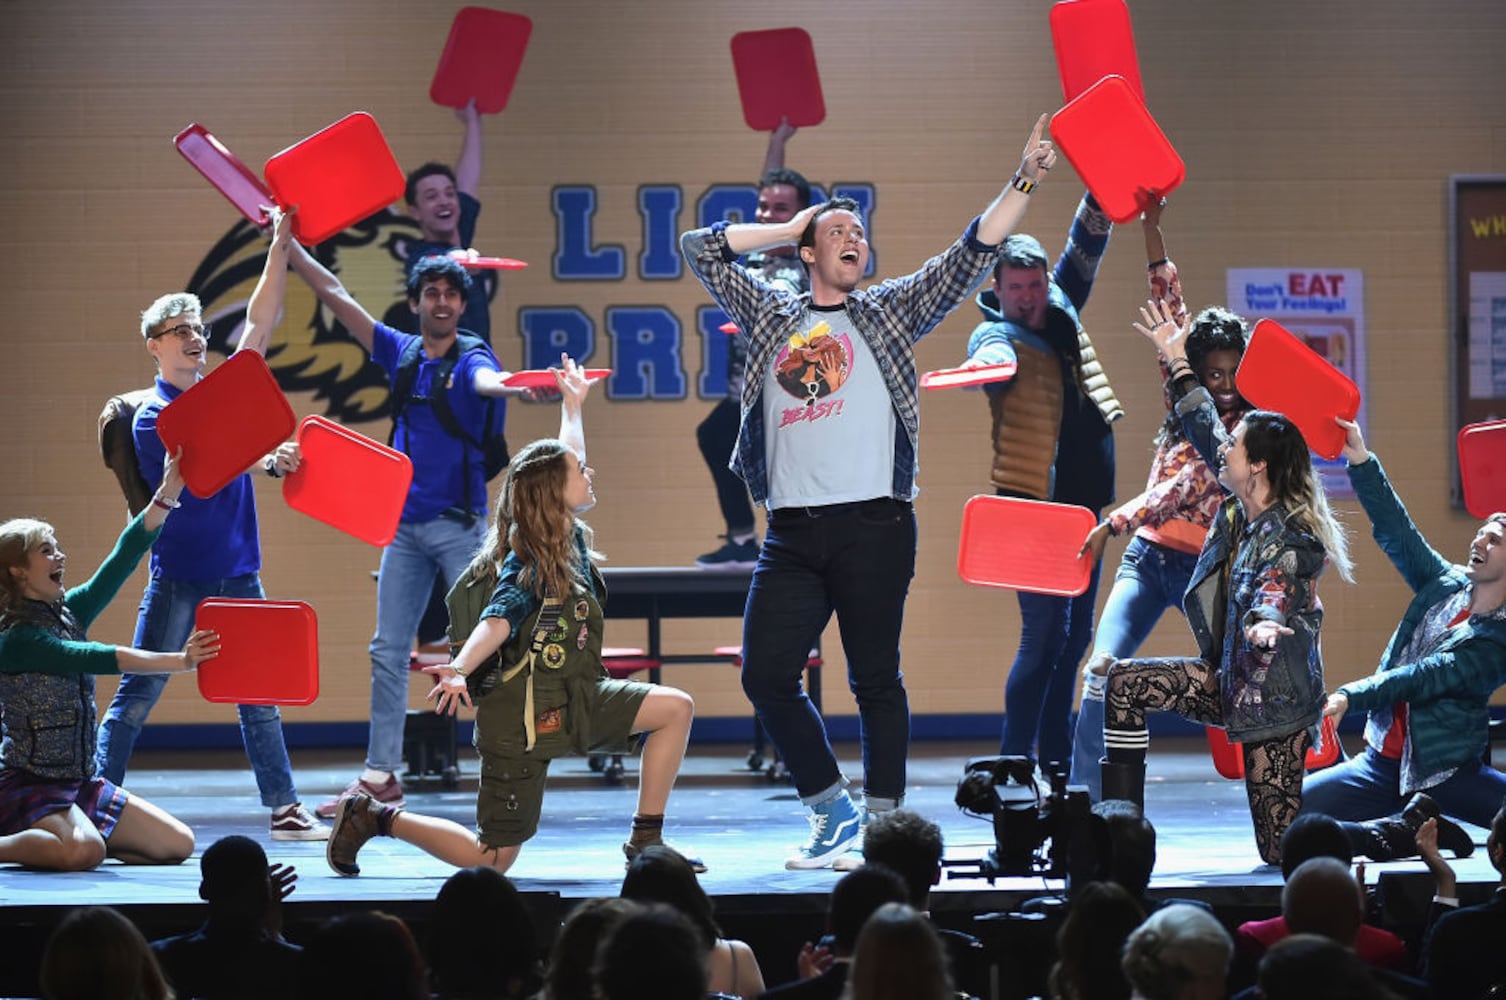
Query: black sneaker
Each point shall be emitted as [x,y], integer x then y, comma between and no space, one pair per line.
[731,556]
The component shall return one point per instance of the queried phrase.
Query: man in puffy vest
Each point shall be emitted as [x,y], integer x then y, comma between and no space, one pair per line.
[1052,441]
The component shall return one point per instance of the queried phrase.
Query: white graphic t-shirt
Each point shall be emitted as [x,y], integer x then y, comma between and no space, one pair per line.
[829,422]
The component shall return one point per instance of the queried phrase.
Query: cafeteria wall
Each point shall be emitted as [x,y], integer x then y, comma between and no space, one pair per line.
[1315,135]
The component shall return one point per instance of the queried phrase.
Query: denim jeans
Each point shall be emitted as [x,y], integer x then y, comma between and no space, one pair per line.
[717,435]
[856,560]
[163,623]
[1151,578]
[1054,635]
[406,577]
[1369,787]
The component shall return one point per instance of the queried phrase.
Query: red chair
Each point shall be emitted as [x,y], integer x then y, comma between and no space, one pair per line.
[621,663]
[776,770]
[1229,757]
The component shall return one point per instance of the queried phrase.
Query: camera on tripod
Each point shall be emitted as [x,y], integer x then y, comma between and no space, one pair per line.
[1035,833]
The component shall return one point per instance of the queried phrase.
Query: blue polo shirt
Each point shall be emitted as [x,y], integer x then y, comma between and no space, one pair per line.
[442,465]
[211,539]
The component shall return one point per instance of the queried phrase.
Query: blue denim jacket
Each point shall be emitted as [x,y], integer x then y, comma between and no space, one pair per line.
[1265,569]
[1447,691]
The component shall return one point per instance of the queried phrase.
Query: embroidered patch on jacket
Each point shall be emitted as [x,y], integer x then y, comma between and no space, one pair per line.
[554,656]
[585,633]
[582,610]
[550,720]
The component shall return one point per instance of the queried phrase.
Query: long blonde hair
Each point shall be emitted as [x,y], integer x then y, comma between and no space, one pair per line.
[533,520]
[1273,438]
[18,539]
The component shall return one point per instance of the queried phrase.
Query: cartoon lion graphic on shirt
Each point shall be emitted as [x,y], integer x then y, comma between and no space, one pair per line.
[814,364]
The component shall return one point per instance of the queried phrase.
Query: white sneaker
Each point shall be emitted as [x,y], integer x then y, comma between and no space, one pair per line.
[298,824]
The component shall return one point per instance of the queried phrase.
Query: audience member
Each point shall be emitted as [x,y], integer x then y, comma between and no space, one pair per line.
[1181,952]
[482,900]
[570,974]
[1462,956]
[1313,967]
[898,957]
[95,953]
[1090,941]
[654,953]
[238,954]
[368,954]
[659,874]
[824,965]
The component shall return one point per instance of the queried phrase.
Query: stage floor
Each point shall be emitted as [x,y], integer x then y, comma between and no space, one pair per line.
[738,821]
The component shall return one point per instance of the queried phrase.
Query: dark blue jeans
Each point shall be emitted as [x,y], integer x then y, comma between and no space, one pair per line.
[856,560]
[1054,635]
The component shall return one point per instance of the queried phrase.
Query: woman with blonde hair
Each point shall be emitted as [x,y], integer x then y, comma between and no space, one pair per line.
[525,640]
[1252,605]
[1181,952]
[55,811]
[95,953]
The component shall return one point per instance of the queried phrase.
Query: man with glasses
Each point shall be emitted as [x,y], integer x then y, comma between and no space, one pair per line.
[210,549]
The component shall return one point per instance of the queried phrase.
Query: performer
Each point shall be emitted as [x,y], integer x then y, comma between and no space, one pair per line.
[532,664]
[55,811]
[1170,519]
[1428,700]
[830,428]
[1252,605]
[781,193]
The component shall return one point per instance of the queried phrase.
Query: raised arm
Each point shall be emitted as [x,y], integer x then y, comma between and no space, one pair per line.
[266,300]
[573,387]
[1165,282]
[1005,212]
[773,159]
[468,161]
[333,294]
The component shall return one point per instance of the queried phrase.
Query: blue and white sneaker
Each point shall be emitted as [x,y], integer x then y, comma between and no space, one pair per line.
[834,828]
[853,859]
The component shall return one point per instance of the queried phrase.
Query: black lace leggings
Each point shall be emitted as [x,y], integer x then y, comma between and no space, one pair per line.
[1189,687]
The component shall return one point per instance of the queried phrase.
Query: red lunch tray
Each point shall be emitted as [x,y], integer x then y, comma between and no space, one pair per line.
[464,259]
[339,175]
[225,171]
[481,59]
[1093,40]
[1482,467]
[951,378]
[777,78]
[543,378]
[1279,372]
[269,652]
[1025,545]
[1117,148]
[1229,758]
[348,481]
[225,423]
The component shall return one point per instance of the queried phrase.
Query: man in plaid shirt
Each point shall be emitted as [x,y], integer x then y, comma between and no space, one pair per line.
[829,427]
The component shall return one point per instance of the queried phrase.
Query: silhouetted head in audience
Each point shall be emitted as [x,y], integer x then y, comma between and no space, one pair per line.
[1180,952]
[485,900]
[1313,967]
[1131,845]
[911,845]
[1322,897]
[366,954]
[654,953]
[1091,940]
[570,975]
[1313,835]
[234,880]
[899,957]
[95,953]
[854,899]
[659,874]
